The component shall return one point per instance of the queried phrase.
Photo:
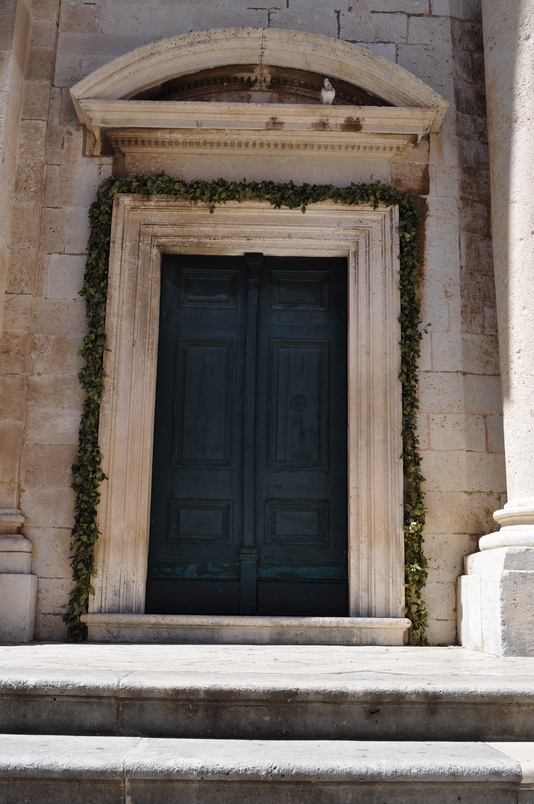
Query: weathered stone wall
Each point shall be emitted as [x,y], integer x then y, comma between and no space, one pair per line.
[437,40]
[460,385]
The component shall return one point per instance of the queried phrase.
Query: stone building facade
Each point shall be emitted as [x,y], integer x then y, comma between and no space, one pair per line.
[52,164]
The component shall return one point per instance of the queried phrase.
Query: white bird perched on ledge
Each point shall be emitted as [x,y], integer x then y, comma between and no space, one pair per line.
[328,93]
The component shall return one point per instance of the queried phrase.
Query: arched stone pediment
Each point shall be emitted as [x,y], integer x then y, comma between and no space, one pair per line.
[242,81]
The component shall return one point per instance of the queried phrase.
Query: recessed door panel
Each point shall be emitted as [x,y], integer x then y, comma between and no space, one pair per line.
[204,393]
[298,410]
[200,521]
[299,290]
[260,337]
[297,523]
[208,288]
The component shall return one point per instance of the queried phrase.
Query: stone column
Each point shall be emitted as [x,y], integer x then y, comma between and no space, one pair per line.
[18,588]
[496,604]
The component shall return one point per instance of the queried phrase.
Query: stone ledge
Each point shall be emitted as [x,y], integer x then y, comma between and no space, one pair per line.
[152,126]
[266,692]
[192,629]
[116,770]
[281,761]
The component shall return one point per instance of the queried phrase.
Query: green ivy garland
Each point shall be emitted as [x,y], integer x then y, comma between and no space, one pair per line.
[87,472]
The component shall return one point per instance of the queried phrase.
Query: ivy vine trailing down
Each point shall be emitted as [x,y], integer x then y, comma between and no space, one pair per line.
[87,472]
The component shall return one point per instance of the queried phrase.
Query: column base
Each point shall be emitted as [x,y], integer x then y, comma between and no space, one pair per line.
[18,594]
[496,601]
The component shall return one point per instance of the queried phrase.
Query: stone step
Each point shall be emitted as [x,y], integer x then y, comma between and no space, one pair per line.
[115,770]
[266,692]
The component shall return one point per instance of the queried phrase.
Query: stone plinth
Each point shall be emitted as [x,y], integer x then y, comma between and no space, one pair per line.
[496,594]
[18,594]
[18,588]
[496,604]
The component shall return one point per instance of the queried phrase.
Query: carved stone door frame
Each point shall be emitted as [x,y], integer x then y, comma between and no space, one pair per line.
[142,230]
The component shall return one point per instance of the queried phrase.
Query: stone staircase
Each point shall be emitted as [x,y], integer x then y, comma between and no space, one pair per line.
[144,724]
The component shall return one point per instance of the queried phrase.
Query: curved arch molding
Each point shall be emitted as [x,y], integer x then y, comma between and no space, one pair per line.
[115,124]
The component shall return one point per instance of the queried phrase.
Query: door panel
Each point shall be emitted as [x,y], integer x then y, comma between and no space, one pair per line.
[205,394]
[301,474]
[298,393]
[197,511]
[200,521]
[296,523]
[289,479]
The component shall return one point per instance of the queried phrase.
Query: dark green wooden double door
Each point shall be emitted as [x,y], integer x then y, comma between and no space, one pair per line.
[249,488]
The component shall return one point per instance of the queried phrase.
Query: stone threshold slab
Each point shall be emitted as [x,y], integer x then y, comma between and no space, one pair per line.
[245,630]
[138,770]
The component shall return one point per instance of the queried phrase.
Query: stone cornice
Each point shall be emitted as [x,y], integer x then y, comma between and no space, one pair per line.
[127,126]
